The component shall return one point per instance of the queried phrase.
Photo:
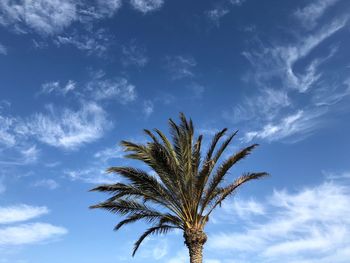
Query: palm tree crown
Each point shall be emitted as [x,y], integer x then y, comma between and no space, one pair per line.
[184,188]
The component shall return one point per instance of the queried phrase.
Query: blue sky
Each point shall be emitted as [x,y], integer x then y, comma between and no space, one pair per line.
[76,77]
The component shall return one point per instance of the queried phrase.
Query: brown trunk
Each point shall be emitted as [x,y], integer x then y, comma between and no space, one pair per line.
[194,240]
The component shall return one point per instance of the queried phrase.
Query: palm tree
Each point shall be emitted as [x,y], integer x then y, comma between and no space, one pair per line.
[184,190]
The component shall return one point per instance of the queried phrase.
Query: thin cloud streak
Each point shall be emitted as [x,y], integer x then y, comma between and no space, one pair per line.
[299,123]
[18,213]
[311,13]
[146,6]
[25,234]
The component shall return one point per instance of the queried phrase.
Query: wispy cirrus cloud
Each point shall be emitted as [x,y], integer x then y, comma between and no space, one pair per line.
[275,112]
[309,14]
[332,94]
[154,249]
[46,183]
[15,148]
[108,7]
[109,153]
[6,136]
[92,175]
[236,209]
[56,87]
[134,55]
[237,2]
[265,105]
[52,17]
[297,125]
[2,186]
[337,176]
[297,226]
[279,61]
[181,66]
[222,9]
[148,108]
[146,6]
[96,173]
[46,17]
[119,89]
[3,49]
[66,128]
[216,14]
[98,88]
[93,42]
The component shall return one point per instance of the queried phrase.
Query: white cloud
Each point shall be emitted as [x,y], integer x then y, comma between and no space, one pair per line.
[14,150]
[244,208]
[109,153]
[66,128]
[181,66]
[160,250]
[299,123]
[311,225]
[3,49]
[29,154]
[265,105]
[109,7]
[29,233]
[96,42]
[56,87]
[22,234]
[216,14]
[2,186]
[279,61]
[237,209]
[119,89]
[46,183]
[134,55]
[337,176]
[44,16]
[18,213]
[331,94]
[19,154]
[148,108]
[146,6]
[291,55]
[298,74]
[7,138]
[93,175]
[309,14]
[237,2]
[197,90]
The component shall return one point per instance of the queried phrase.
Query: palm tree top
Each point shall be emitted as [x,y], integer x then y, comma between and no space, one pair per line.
[185,187]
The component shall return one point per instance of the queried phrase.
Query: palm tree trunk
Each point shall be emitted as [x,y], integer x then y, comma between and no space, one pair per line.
[194,240]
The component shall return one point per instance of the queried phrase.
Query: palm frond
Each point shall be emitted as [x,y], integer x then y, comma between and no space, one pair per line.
[224,146]
[222,193]
[149,217]
[160,229]
[213,144]
[222,171]
[124,207]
